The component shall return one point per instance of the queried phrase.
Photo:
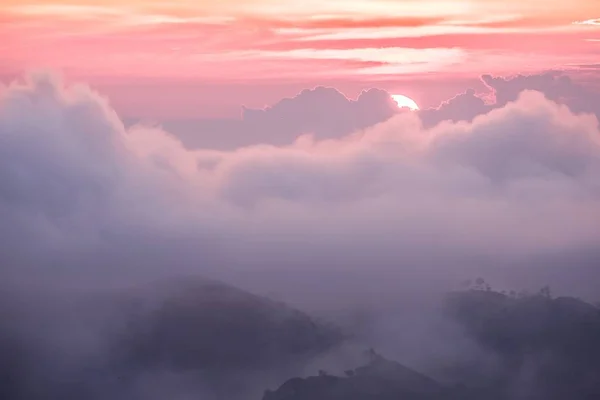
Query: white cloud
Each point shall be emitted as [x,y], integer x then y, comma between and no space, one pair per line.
[390,55]
[588,22]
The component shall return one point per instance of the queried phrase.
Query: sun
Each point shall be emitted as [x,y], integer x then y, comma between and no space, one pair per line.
[404,101]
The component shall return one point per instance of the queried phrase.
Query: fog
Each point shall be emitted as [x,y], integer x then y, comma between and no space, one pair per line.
[363,229]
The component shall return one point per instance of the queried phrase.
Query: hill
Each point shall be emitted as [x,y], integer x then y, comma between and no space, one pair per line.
[167,338]
[546,348]
[380,379]
[206,324]
[542,348]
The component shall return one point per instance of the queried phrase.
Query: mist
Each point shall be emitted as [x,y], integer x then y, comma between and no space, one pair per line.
[366,230]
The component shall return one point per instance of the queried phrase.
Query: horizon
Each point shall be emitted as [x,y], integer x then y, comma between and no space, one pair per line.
[236,53]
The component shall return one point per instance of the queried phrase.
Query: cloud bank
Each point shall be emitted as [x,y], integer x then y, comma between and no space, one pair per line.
[326,113]
[321,111]
[78,190]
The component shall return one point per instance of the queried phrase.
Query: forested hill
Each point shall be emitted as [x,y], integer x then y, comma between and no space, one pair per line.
[533,347]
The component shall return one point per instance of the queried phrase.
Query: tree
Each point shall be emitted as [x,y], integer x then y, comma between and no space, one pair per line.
[479,284]
[467,284]
[545,292]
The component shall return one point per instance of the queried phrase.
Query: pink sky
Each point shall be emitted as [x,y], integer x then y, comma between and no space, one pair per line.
[227,49]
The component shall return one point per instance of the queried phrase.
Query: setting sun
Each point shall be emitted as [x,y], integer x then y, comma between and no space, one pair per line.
[404,101]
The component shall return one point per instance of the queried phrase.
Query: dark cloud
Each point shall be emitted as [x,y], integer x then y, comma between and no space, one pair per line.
[555,86]
[588,66]
[322,111]
[462,107]
[326,113]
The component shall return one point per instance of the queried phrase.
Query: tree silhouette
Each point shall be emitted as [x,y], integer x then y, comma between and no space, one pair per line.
[479,283]
[545,292]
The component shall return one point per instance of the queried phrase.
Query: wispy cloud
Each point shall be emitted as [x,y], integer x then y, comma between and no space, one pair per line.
[302,34]
[369,37]
[385,55]
[382,60]
[349,8]
[352,22]
[64,10]
[110,15]
[588,22]
[594,66]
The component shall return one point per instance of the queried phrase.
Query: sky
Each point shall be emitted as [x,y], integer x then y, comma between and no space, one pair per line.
[140,50]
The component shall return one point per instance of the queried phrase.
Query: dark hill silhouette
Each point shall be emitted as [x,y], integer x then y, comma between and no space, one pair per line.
[545,348]
[198,335]
[224,337]
[323,112]
[202,324]
[380,379]
[219,340]
[548,348]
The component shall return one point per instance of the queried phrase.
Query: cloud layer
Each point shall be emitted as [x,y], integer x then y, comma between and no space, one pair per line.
[310,41]
[79,189]
[326,113]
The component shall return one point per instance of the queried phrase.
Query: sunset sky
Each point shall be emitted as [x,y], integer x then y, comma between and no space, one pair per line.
[357,159]
[136,47]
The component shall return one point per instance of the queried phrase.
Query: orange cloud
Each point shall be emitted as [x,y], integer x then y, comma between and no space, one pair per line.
[209,39]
